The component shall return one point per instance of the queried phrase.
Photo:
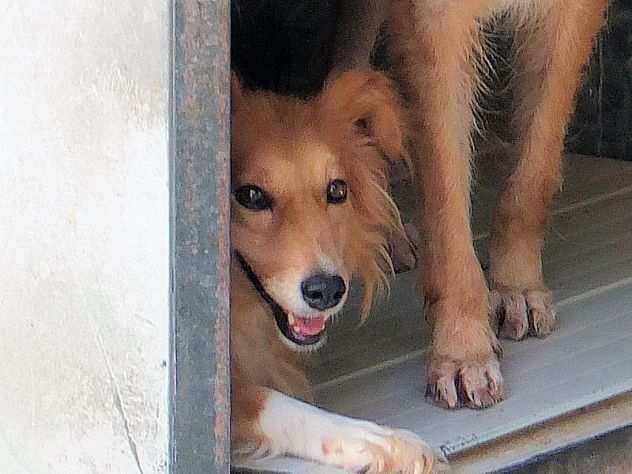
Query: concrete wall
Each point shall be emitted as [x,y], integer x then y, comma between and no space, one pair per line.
[83,236]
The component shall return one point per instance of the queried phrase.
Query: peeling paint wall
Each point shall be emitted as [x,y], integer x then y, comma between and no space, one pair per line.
[84,230]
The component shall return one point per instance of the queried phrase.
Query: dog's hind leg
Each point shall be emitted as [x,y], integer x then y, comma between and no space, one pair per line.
[436,45]
[552,46]
[359,23]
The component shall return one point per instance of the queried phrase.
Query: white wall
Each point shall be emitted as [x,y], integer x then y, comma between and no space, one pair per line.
[83,236]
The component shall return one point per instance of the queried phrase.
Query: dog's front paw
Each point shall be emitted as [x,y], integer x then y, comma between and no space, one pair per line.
[518,313]
[364,447]
[404,249]
[408,454]
[463,369]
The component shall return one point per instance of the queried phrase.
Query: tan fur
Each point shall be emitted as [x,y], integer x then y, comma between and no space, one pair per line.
[438,49]
[292,149]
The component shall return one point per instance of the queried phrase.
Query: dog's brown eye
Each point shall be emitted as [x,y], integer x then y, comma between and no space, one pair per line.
[253,197]
[337,192]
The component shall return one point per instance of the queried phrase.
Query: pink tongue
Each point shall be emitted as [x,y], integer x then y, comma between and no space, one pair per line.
[308,326]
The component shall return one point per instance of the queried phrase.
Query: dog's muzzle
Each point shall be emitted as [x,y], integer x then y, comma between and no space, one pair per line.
[301,330]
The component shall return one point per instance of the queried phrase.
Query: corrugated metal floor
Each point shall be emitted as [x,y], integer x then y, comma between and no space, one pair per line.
[376,372]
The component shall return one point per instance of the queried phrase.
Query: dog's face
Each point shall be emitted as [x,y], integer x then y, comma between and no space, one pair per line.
[310,207]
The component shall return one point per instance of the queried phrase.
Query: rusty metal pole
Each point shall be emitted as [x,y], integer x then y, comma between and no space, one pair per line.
[200,255]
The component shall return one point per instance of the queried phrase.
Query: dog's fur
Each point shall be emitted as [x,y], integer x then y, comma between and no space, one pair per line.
[292,149]
[438,49]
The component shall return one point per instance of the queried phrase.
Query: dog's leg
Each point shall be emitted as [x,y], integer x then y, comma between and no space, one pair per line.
[275,424]
[359,23]
[552,46]
[435,44]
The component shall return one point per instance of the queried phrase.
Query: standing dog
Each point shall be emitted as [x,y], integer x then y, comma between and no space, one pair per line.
[310,210]
[438,49]
[292,228]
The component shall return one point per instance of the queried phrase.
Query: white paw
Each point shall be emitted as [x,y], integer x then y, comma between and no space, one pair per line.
[365,447]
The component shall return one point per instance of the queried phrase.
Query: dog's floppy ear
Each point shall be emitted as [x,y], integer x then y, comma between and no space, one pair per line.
[363,104]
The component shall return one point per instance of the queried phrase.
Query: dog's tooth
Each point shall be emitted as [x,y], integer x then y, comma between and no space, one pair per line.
[290,318]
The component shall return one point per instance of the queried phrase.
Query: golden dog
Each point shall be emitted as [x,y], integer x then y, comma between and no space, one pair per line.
[310,210]
[438,50]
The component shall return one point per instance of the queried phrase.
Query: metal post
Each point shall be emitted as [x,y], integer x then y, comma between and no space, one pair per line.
[200,253]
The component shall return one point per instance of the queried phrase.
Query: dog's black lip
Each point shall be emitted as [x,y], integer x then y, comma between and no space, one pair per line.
[280,315]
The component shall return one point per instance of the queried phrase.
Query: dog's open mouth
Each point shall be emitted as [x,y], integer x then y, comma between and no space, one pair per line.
[301,330]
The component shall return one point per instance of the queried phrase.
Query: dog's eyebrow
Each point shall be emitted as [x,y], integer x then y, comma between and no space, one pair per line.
[255,174]
[328,174]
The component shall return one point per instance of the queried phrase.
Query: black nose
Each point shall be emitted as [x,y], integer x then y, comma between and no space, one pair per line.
[322,291]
